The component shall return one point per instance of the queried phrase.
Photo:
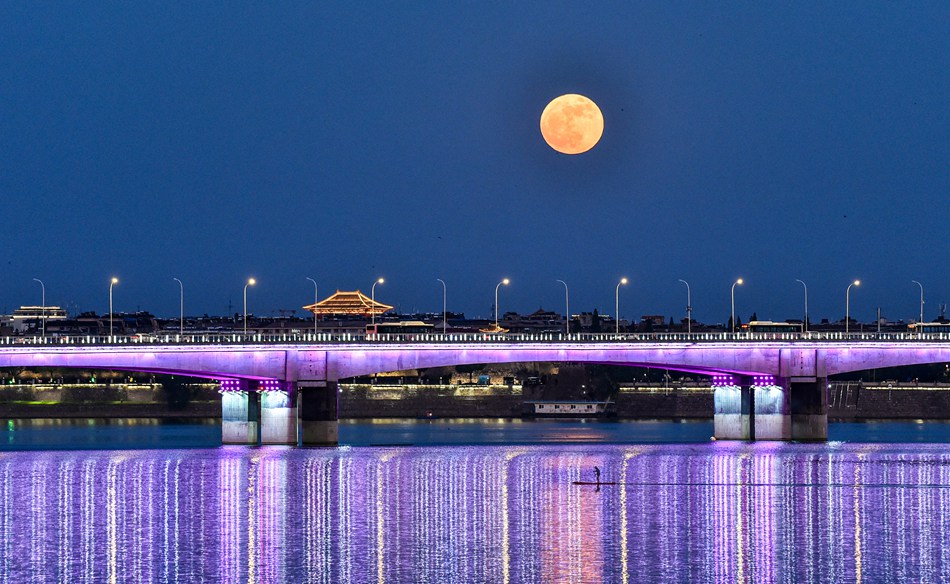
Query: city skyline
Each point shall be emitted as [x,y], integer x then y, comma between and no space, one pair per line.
[771,142]
[742,312]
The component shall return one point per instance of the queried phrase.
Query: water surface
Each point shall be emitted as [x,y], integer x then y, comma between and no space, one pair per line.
[481,512]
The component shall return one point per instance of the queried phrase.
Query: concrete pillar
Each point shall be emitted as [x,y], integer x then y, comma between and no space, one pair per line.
[772,408]
[240,413]
[318,412]
[734,408]
[809,408]
[278,413]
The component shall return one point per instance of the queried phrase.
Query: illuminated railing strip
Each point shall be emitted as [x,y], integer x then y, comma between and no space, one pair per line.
[351,338]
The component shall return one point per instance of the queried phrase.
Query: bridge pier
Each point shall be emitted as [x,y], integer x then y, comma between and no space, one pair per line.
[772,417]
[278,413]
[319,420]
[809,408]
[750,408]
[734,408]
[240,412]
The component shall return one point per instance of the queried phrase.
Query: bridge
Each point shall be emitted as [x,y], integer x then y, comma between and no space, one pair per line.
[283,389]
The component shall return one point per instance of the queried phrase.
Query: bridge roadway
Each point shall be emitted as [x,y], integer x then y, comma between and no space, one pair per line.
[282,389]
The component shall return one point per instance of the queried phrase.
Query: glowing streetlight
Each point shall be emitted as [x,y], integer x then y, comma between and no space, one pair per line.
[622,282]
[250,282]
[689,310]
[373,296]
[316,298]
[567,309]
[805,323]
[847,306]
[43,314]
[181,306]
[921,301]
[734,284]
[112,283]
[505,282]
[444,296]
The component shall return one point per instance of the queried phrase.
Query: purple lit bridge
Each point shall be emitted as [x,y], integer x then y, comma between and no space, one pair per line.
[283,389]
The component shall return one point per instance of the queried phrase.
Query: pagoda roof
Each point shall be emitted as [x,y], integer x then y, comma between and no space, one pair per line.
[351,303]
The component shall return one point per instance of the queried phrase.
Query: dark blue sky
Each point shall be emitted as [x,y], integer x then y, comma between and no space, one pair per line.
[213,141]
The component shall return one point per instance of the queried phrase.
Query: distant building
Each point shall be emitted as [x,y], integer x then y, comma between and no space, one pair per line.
[348,304]
[27,317]
[537,322]
[655,320]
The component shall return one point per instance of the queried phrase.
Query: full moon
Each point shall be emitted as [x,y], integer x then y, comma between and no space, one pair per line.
[572,124]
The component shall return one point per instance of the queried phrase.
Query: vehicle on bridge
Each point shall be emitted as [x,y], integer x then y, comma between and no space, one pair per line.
[403,327]
[930,327]
[767,326]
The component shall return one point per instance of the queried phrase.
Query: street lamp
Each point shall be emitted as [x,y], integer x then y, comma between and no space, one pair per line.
[689,310]
[43,314]
[567,309]
[316,298]
[373,295]
[921,301]
[805,323]
[847,306]
[505,282]
[734,284]
[622,282]
[250,282]
[181,306]
[112,283]
[444,296]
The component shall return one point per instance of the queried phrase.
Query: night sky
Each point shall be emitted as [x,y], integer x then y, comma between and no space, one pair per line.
[213,141]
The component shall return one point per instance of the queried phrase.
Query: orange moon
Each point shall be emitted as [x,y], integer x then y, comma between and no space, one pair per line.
[572,124]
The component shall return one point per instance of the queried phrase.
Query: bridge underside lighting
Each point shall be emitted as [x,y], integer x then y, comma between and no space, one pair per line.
[270,385]
[724,381]
[765,381]
[229,385]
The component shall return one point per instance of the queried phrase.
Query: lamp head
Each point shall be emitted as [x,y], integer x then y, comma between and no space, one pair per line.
[739,281]
[251,281]
[381,281]
[857,282]
[623,281]
[505,281]
[115,280]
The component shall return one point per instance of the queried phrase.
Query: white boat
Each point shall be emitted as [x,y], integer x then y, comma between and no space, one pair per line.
[568,409]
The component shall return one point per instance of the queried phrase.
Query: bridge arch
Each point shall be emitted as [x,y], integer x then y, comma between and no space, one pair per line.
[292,362]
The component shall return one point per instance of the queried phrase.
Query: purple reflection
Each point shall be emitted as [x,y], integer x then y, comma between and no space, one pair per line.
[671,513]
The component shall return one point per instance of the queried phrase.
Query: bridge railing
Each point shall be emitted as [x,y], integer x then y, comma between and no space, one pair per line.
[216,338]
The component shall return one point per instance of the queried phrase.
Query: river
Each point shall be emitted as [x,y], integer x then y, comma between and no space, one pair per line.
[408,501]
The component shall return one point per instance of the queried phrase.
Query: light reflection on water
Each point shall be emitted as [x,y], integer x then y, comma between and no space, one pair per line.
[717,512]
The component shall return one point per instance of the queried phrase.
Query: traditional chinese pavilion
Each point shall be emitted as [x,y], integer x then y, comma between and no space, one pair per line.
[348,304]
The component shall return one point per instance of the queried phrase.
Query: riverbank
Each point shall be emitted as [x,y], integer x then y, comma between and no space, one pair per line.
[846,402]
[195,410]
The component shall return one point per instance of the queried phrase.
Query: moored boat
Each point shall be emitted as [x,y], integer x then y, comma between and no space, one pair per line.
[569,409]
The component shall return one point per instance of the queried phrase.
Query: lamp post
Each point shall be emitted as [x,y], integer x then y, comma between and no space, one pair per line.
[444,296]
[181,306]
[316,298]
[373,295]
[567,309]
[734,284]
[505,282]
[921,300]
[112,283]
[689,310]
[847,306]
[250,282]
[805,322]
[622,282]
[42,314]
